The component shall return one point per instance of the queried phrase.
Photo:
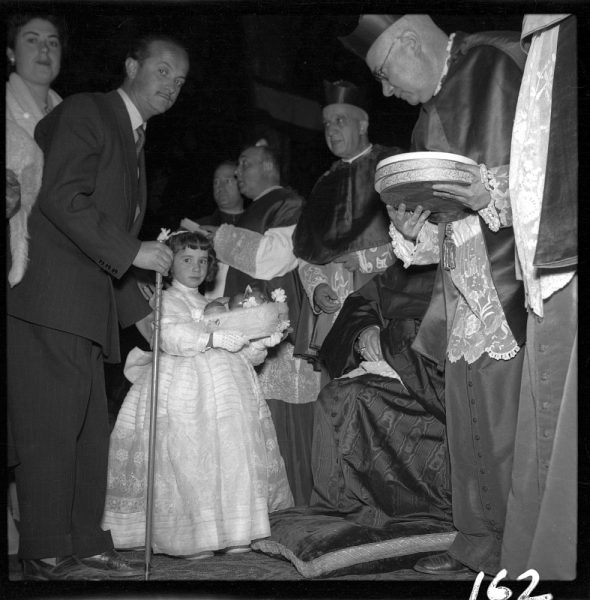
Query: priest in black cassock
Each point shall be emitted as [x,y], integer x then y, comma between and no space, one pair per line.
[341,238]
[379,449]
[380,464]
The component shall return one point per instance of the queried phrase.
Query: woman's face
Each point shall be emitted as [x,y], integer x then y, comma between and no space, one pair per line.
[37,52]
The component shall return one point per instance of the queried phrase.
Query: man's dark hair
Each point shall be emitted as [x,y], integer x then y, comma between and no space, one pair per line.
[140,47]
[227,163]
[17,21]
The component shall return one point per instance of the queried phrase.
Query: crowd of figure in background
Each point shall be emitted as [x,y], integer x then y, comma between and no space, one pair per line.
[404,330]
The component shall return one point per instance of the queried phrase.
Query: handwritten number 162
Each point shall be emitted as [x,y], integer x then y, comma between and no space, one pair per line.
[496,592]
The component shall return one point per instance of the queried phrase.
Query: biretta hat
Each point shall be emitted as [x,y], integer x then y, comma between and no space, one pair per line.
[345,92]
[369,28]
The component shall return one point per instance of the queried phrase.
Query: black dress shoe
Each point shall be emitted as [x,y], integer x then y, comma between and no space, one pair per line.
[68,568]
[441,564]
[115,565]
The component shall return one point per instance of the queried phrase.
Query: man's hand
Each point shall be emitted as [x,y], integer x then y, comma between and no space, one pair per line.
[473,195]
[188,224]
[208,230]
[408,223]
[369,344]
[147,290]
[145,327]
[325,298]
[154,256]
[349,261]
[12,193]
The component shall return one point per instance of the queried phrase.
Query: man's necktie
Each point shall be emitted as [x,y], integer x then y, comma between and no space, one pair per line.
[139,142]
[140,139]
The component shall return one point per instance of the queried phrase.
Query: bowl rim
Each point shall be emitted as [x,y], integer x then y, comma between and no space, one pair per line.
[425,155]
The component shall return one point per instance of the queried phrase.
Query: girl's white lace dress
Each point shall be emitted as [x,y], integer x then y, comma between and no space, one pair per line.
[218,470]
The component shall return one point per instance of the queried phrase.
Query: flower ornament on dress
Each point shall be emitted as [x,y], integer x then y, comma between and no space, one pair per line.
[278,295]
[250,302]
[165,234]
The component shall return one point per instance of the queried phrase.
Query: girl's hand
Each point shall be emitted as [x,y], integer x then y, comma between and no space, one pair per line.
[408,223]
[229,340]
[267,342]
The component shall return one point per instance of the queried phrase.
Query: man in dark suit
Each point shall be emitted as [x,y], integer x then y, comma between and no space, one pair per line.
[62,317]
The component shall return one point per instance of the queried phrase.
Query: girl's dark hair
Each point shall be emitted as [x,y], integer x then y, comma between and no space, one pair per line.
[16,21]
[195,241]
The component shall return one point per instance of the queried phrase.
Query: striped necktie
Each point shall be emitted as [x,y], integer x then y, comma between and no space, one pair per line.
[140,139]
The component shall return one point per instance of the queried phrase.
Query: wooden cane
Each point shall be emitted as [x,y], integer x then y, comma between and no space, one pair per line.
[152,434]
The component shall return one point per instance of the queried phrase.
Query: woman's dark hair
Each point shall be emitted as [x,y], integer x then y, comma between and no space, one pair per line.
[195,241]
[17,21]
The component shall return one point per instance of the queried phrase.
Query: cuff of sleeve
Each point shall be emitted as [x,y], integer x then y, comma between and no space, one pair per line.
[204,342]
[237,247]
[490,215]
[403,248]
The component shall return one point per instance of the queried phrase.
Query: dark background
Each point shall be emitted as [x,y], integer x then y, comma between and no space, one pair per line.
[292,47]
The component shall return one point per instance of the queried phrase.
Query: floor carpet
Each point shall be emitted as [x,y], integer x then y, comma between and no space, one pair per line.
[250,566]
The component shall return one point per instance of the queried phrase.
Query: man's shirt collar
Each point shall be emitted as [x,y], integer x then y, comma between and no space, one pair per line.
[267,190]
[134,114]
[362,153]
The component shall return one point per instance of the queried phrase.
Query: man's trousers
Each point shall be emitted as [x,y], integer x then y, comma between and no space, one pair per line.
[59,431]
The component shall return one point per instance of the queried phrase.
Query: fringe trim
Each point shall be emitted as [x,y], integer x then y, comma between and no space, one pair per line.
[505,355]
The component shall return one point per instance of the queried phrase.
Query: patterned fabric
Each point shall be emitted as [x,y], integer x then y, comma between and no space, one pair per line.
[238,247]
[294,381]
[218,471]
[530,141]
[378,455]
[342,281]
[479,324]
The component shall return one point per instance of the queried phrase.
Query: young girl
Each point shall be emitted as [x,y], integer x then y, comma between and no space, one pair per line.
[218,470]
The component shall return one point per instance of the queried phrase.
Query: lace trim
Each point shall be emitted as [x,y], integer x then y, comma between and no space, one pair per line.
[503,356]
[490,215]
[375,259]
[311,276]
[479,324]
[424,251]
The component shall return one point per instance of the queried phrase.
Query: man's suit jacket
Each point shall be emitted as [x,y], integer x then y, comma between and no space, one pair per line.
[83,228]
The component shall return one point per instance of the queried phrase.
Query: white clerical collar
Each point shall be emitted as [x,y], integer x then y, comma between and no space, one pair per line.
[365,151]
[267,190]
[134,114]
[447,63]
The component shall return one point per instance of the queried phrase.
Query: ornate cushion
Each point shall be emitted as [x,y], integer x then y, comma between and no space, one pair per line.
[320,545]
